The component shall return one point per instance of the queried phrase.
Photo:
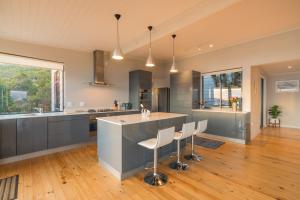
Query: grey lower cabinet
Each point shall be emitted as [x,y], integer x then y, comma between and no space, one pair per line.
[8,137]
[31,135]
[67,130]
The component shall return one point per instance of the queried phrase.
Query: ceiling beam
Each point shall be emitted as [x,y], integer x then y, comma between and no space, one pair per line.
[201,10]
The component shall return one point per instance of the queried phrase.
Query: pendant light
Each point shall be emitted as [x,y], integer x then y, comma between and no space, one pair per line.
[150,60]
[173,68]
[117,53]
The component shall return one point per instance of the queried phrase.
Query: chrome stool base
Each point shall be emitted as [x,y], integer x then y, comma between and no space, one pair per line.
[193,157]
[178,166]
[158,179]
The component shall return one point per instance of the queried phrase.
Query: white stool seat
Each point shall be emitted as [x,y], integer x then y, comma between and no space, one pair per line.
[149,144]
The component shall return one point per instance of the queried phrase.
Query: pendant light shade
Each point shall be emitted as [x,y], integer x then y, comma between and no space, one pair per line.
[173,67]
[150,60]
[117,53]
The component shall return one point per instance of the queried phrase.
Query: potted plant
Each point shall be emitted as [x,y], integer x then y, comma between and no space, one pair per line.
[274,112]
[234,101]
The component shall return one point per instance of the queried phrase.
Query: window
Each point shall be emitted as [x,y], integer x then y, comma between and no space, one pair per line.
[27,84]
[219,88]
[211,90]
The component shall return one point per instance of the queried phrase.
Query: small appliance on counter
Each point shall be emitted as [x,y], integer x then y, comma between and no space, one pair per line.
[126,106]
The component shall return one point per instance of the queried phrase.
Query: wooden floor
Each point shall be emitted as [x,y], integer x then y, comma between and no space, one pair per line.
[268,168]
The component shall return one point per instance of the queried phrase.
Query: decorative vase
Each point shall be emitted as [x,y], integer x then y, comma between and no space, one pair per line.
[234,106]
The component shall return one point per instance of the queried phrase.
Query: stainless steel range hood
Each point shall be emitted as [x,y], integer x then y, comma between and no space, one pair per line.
[100,60]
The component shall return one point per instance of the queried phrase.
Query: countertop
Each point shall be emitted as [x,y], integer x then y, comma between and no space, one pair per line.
[137,118]
[53,114]
[219,111]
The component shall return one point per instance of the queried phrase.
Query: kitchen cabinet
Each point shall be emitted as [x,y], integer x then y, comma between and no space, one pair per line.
[185,92]
[67,130]
[140,88]
[31,135]
[8,137]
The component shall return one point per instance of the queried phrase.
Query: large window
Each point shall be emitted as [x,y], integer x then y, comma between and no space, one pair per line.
[27,85]
[219,88]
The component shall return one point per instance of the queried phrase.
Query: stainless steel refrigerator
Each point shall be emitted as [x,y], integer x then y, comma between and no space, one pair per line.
[161,100]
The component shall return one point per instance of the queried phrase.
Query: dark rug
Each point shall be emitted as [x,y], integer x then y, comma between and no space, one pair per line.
[9,188]
[207,143]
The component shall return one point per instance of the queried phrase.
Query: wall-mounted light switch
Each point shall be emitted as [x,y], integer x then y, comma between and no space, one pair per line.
[81,103]
[69,104]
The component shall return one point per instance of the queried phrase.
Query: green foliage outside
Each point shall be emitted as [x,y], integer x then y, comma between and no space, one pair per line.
[35,81]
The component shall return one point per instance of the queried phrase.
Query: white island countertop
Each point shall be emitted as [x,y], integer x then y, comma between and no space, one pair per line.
[137,118]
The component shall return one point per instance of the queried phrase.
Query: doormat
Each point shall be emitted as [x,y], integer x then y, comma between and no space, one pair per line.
[9,188]
[207,143]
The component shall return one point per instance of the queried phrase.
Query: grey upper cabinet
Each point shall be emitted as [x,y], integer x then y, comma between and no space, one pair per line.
[31,135]
[184,91]
[8,138]
[140,88]
[67,130]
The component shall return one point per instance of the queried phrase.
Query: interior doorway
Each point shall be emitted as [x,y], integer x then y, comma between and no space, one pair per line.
[263,112]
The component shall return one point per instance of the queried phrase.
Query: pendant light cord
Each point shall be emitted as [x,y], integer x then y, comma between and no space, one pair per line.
[118,37]
[173,36]
[150,30]
[118,16]
[150,39]
[173,47]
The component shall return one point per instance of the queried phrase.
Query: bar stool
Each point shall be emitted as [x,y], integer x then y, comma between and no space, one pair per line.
[164,137]
[201,127]
[188,130]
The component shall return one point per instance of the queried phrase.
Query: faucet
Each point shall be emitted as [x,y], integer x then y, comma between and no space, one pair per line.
[40,110]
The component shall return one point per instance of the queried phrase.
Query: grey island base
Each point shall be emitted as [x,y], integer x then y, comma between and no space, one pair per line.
[118,136]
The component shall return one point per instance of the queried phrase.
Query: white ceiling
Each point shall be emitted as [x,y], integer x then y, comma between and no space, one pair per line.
[242,22]
[89,24]
[273,69]
[83,24]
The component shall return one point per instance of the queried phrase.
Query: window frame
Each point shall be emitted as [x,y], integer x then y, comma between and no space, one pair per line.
[218,73]
[15,59]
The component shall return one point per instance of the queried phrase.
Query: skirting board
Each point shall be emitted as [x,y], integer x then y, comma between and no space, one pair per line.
[287,126]
[217,137]
[112,170]
[41,153]
[120,176]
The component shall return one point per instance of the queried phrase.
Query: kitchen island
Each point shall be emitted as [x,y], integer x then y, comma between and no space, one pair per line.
[118,136]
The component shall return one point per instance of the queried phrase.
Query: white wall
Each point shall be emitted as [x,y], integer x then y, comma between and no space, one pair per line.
[79,71]
[281,47]
[289,102]
[256,93]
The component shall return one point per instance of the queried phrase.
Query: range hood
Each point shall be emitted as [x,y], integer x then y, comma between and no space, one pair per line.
[100,60]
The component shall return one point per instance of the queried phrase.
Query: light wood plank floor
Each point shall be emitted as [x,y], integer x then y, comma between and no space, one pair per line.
[268,168]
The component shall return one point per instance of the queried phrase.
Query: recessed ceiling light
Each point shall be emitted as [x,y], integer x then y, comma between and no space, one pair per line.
[290,67]
[211,45]
[199,49]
